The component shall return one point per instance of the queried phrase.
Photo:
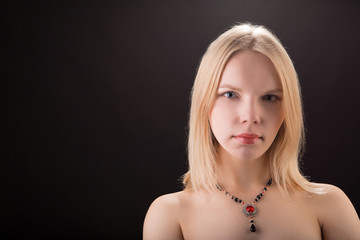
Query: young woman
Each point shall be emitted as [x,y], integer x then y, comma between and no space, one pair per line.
[246,133]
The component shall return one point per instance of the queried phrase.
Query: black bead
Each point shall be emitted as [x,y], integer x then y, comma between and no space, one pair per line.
[265,188]
[252,228]
[256,199]
[240,200]
[232,197]
[236,199]
[261,194]
[251,221]
[258,196]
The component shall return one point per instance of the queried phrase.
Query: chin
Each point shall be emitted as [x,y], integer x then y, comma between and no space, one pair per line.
[245,154]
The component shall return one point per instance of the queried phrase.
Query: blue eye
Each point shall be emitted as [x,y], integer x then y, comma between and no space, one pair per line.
[229,94]
[271,98]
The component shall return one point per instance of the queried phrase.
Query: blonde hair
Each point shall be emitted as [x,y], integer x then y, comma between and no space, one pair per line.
[285,150]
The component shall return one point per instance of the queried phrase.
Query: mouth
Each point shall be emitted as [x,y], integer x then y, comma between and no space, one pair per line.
[248,138]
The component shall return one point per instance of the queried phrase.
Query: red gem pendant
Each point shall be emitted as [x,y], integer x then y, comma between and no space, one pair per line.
[250,210]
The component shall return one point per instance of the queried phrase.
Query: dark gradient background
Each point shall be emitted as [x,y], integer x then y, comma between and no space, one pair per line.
[95,103]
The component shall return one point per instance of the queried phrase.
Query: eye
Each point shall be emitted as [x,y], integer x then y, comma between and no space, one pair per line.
[229,94]
[271,98]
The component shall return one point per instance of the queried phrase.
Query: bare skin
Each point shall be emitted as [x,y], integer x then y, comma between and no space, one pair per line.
[249,101]
[189,215]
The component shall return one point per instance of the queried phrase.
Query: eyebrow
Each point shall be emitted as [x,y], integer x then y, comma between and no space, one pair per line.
[275,90]
[230,86]
[239,89]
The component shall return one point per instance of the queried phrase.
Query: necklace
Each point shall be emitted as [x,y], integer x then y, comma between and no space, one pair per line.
[249,209]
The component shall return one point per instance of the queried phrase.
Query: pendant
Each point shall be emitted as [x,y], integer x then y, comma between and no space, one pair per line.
[250,210]
[252,228]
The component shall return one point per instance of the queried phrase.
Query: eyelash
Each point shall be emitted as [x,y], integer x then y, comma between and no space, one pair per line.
[273,97]
[230,92]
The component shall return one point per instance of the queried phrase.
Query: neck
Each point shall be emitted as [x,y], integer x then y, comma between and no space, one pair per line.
[241,175]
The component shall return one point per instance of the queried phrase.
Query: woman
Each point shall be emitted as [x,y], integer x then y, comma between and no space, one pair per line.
[246,133]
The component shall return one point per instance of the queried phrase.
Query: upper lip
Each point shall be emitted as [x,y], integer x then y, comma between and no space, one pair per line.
[248,135]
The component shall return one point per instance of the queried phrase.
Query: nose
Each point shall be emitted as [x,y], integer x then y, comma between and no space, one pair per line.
[249,112]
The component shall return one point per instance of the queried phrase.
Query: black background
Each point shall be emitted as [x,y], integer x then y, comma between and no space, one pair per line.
[95,103]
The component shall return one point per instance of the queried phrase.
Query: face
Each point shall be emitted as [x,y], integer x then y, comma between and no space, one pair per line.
[247,112]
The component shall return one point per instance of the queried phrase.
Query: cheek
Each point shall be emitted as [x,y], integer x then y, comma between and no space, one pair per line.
[220,118]
[215,120]
[217,116]
[276,117]
[281,116]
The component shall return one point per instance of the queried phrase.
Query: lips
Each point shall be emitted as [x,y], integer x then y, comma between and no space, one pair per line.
[248,138]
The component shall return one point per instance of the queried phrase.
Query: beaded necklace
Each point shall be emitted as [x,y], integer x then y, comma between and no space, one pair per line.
[249,209]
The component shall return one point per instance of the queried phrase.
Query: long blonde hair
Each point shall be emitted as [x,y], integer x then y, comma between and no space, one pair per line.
[284,152]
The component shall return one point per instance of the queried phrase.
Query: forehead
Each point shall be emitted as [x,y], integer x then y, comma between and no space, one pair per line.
[249,69]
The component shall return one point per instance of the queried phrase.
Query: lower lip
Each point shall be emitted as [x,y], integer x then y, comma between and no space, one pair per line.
[247,140]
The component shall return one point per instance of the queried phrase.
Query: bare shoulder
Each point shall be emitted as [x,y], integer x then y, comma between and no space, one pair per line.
[336,214]
[162,220]
[329,199]
[330,194]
